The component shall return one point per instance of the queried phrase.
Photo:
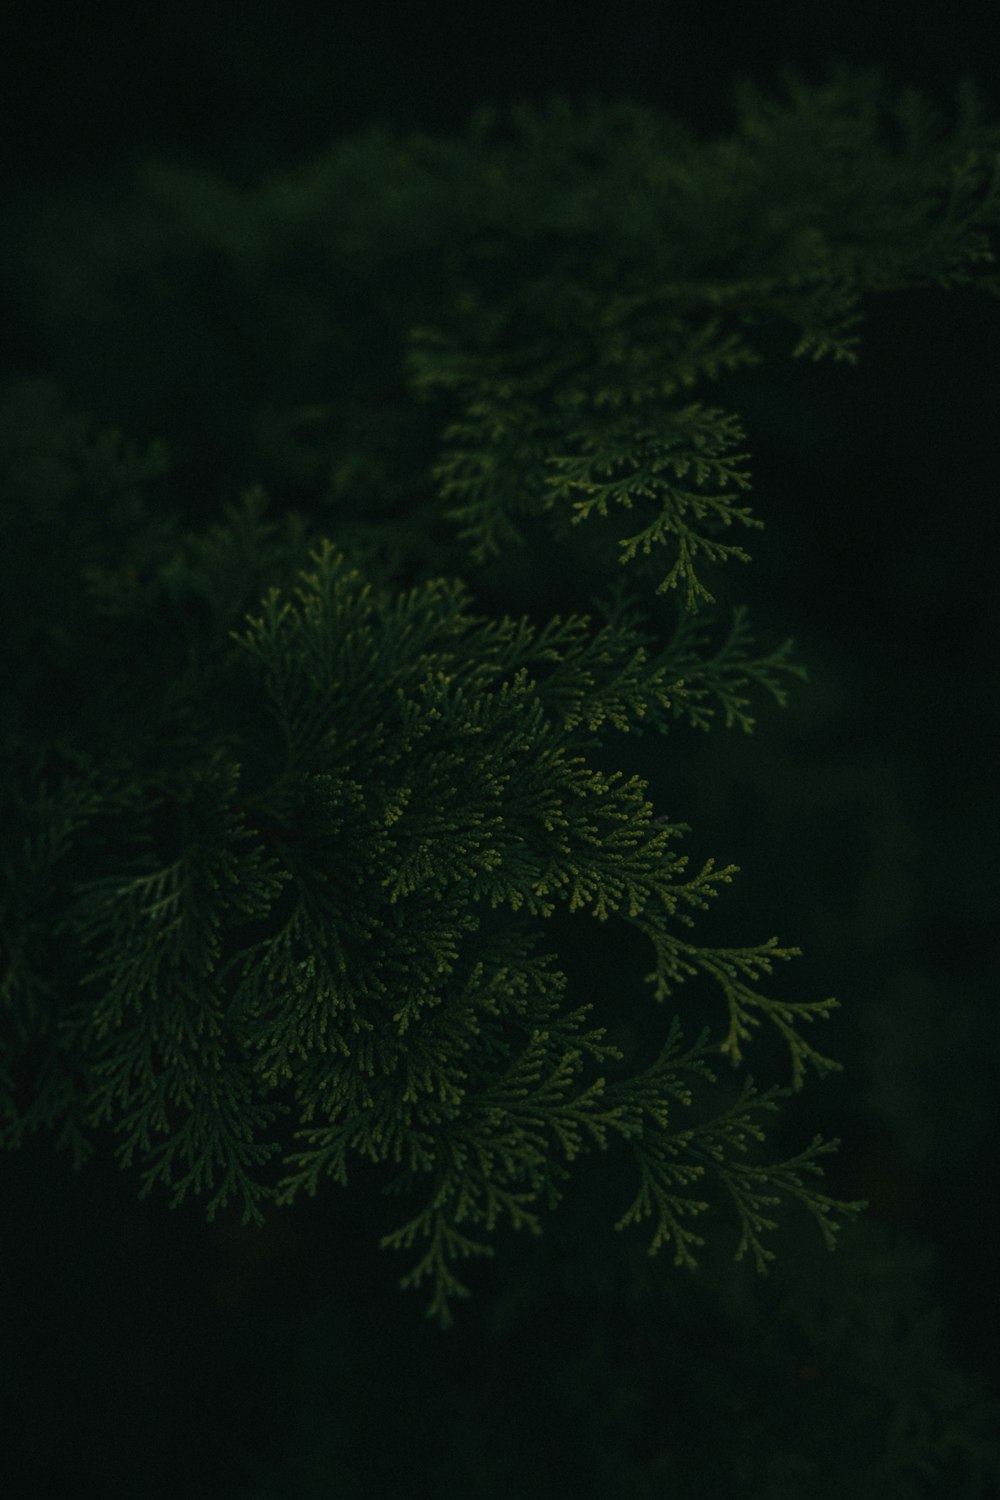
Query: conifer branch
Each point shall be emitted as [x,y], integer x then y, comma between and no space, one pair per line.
[295,827]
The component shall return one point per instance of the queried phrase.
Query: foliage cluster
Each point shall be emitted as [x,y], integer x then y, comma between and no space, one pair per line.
[285,809]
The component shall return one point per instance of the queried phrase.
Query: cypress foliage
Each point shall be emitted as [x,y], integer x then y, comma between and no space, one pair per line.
[290,786]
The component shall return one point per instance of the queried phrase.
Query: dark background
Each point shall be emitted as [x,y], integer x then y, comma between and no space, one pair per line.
[257,85]
[865,814]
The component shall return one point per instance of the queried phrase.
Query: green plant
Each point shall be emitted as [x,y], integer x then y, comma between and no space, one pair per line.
[287,807]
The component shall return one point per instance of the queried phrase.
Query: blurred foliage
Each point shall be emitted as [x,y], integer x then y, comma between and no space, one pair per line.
[865,813]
